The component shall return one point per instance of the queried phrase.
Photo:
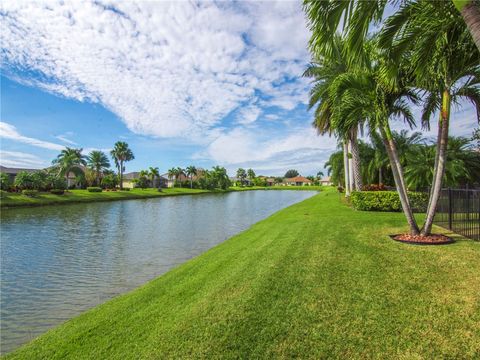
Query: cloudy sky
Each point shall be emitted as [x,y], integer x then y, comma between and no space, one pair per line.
[183,83]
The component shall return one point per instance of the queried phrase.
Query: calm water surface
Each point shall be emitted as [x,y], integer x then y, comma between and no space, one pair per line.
[61,260]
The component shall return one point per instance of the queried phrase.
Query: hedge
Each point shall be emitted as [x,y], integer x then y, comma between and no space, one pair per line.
[57,191]
[94,189]
[30,193]
[387,201]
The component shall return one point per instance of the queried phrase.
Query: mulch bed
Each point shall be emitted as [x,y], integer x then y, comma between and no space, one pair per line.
[433,239]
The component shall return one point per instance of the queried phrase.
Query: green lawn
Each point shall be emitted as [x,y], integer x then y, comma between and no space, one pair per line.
[315,280]
[73,196]
[76,196]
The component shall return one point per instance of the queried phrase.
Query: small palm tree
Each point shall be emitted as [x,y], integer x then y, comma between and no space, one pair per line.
[172,173]
[69,159]
[191,171]
[121,153]
[153,173]
[251,175]
[98,162]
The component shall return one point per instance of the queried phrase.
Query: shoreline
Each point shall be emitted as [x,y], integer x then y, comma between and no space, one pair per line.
[264,279]
[83,196]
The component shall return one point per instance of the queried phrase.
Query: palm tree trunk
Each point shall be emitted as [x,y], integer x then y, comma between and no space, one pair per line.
[345,168]
[191,181]
[439,171]
[471,14]
[380,176]
[398,177]
[357,174]
[351,179]
[121,175]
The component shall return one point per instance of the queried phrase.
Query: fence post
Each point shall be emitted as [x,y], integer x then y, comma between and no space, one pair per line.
[450,209]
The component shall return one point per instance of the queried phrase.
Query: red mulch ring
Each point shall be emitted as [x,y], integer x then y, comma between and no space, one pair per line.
[433,239]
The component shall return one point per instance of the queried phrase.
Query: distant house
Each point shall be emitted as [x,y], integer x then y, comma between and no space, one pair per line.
[12,172]
[326,181]
[297,181]
[129,180]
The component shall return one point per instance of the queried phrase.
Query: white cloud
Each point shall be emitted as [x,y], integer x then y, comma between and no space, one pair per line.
[8,131]
[65,139]
[21,159]
[167,69]
[272,153]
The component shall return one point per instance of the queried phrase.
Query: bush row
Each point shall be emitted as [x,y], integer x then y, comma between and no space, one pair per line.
[94,189]
[387,201]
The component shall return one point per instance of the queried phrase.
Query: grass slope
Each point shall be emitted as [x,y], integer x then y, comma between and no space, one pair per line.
[315,280]
[13,200]
[79,196]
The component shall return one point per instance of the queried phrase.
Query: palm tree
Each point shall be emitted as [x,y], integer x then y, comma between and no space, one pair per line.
[445,63]
[98,162]
[179,172]
[121,153]
[242,175]
[251,175]
[153,173]
[191,171]
[356,17]
[319,175]
[68,160]
[324,71]
[172,173]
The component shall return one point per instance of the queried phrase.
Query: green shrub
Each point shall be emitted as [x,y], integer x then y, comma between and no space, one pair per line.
[94,189]
[57,191]
[386,201]
[3,194]
[30,193]
[5,182]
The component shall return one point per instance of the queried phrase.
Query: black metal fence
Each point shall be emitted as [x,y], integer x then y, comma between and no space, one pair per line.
[459,211]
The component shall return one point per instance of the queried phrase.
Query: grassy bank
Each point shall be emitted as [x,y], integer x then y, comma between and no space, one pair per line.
[315,280]
[13,200]
[79,196]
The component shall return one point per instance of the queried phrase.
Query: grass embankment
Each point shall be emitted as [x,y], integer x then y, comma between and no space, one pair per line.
[315,280]
[79,196]
[12,200]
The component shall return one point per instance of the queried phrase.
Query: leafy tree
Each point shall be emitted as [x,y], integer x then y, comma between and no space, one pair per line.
[109,181]
[98,162]
[191,172]
[142,181]
[291,173]
[23,180]
[444,61]
[69,160]
[5,182]
[251,174]
[242,175]
[320,174]
[334,166]
[121,154]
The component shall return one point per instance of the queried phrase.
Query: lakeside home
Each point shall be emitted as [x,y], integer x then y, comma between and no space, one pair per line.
[327,181]
[130,179]
[297,181]
[72,181]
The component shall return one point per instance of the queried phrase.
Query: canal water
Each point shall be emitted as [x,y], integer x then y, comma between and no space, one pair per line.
[57,261]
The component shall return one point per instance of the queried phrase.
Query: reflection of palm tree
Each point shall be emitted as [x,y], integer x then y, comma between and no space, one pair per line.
[68,160]
[153,173]
[191,171]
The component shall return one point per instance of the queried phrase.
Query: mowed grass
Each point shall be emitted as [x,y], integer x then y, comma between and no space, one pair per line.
[315,280]
[78,196]
[12,200]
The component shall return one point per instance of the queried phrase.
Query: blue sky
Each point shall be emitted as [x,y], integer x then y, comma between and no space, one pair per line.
[183,83]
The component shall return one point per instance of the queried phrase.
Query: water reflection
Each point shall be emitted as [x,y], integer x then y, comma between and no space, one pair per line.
[58,261]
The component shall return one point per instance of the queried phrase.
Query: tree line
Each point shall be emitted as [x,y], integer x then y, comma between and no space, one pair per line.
[423,54]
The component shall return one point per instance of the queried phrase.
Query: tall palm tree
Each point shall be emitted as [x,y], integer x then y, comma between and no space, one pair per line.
[251,175]
[179,172]
[121,153]
[370,93]
[445,63]
[324,71]
[191,172]
[98,162]
[153,173]
[69,159]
